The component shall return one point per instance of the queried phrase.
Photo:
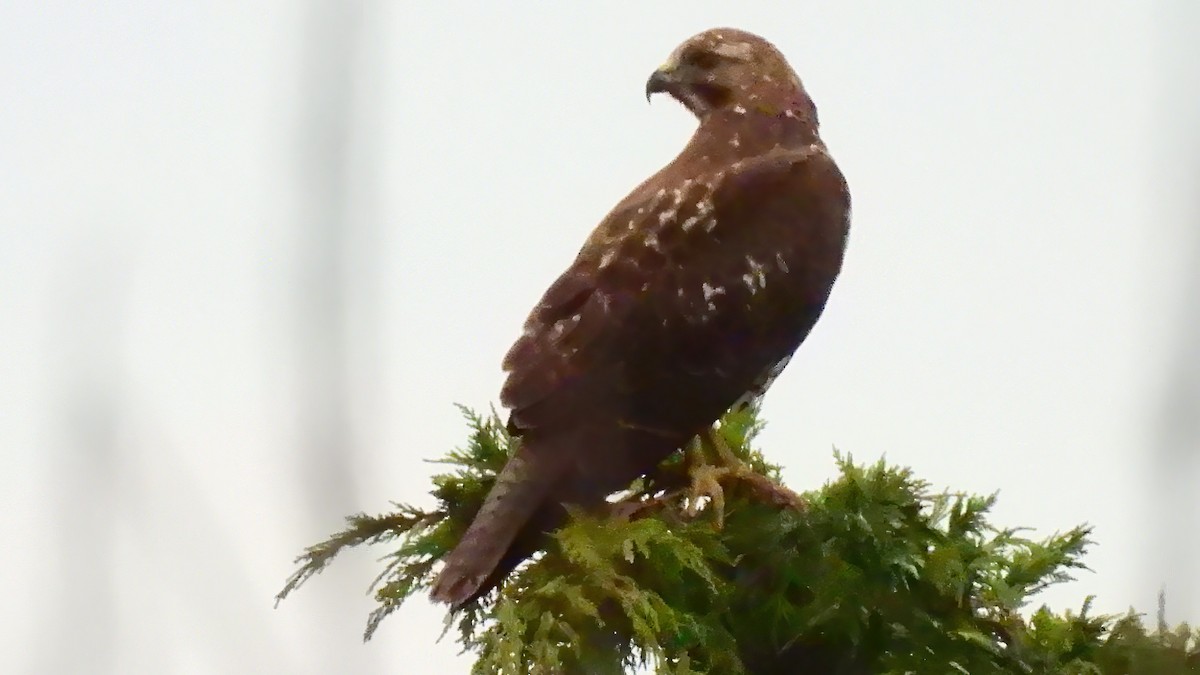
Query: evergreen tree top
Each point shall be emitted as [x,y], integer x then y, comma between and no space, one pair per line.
[878,574]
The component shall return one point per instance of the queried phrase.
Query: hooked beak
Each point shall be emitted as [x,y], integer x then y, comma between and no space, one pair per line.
[661,80]
[674,79]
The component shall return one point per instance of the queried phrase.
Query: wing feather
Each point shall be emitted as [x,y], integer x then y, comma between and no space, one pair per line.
[699,291]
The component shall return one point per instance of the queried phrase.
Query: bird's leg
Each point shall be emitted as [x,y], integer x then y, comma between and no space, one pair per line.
[705,481]
[710,462]
[706,477]
[713,441]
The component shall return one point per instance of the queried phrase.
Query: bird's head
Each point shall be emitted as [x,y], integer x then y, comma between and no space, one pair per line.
[725,67]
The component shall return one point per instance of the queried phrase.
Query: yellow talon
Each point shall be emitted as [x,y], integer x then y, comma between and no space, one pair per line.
[707,474]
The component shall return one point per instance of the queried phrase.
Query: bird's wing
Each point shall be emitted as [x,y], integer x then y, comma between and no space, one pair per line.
[710,282]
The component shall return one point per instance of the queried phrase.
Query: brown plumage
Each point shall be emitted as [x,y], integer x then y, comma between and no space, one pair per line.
[690,296]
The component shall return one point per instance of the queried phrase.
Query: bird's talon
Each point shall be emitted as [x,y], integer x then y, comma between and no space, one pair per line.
[706,482]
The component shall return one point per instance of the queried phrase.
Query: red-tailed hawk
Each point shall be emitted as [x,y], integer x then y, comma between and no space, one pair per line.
[689,297]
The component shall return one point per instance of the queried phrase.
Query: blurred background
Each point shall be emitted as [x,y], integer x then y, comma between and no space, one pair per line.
[251,254]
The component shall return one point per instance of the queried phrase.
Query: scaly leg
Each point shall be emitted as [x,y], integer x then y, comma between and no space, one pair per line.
[706,477]
[713,442]
[705,481]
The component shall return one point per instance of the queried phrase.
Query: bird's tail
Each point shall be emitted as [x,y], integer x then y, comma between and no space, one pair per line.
[520,489]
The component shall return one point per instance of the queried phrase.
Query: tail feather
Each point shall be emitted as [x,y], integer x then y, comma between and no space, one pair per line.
[527,501]
[522,486]
[549,517]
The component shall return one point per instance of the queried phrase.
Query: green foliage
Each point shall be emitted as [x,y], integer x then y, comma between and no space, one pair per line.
[878,575]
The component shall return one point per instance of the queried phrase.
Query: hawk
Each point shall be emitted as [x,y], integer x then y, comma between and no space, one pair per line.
[689,297]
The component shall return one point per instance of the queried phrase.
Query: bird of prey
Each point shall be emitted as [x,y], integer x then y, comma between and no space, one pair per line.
[687,299]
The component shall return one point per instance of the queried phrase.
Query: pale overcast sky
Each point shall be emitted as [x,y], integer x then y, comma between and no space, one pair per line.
[1006,319]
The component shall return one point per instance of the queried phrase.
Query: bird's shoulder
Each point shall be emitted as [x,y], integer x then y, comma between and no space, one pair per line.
[683,207]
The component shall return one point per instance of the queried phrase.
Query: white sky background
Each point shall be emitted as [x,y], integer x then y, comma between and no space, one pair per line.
[1007,318]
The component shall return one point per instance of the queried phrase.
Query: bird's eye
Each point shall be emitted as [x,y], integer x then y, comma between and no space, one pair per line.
[700,58]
